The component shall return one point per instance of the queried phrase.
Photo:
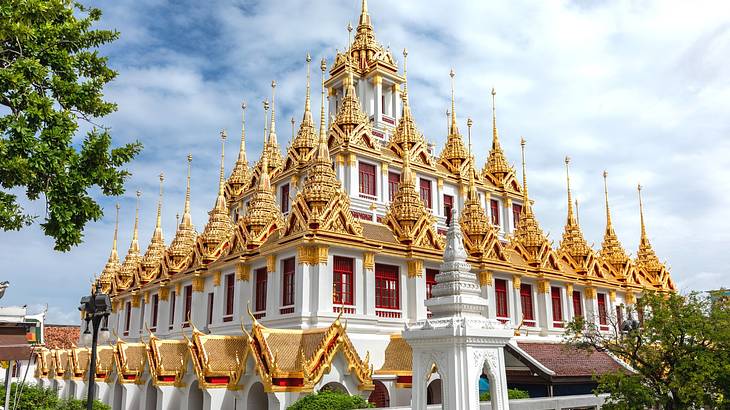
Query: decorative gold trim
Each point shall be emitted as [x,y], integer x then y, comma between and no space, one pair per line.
[243,272]
[569,289]
[612,295]
[178,288]
[340,159]
[440,183]
[294,180]
[198,283]
[516,281]
[415,268]
[271,263]
[135,300]
[313,254]
[368,260]
[217,278]
[164,293]
[629,298]
[146,297]
[486,278]
[353,159]
[543,286]
[384,168]
[590,292]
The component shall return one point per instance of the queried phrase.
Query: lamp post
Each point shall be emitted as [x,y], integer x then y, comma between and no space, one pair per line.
[96,309]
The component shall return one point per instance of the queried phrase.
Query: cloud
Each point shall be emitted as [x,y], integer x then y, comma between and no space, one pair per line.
[639,89]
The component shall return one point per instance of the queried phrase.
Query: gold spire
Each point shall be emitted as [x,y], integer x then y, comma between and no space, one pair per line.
[219,222]
[322,126]
[306,138]
[474,220]
[134,246]
[406,134]
[646,257]
[322,183]
[156,249]
[497,162]
[241,174]
[262,211]
[528,232]
[111,269]
[131,261]
[114,255]
[275,159]
[182,245]
[611,249]
[350,117]
[454,156]
[573,241]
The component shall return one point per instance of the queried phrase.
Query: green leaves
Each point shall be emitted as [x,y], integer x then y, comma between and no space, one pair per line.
[52,77]
[679,354]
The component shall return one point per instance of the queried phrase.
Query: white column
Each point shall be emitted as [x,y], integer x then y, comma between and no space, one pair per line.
[198,307]
[273,299]
[301,288]
[544,309]
[131,396]
[369,291]
[360,292]
[168,398]
[213,398]
[498,380]
[378,98]
[416,294]
[418,389]
[516,303]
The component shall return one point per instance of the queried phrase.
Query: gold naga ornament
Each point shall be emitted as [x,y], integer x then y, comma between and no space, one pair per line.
[454,156]
[151,262]
[322,205]
[240,178]
[407,216]
[528,238]
[480,236]
[305,141]
[215,239]
[112,267]
[129,268]
[182,249]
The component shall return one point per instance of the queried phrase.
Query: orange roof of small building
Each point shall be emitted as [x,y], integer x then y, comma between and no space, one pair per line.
[61,336]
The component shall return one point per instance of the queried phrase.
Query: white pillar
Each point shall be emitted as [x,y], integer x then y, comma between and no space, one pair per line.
[131,396]
[168,398]
[213,398]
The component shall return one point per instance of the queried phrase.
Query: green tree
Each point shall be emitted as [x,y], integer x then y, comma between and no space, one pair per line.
[330,400]
[679,354]
[52,78]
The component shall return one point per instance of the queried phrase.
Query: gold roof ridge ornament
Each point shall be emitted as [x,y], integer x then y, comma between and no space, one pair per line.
[496,165]
[112,267]
[412,224]
[573,242]
[365,50]
[406,137]
[215,237]
[322,204]
[454,156]
[240,177]
[133,258]
[612,251]
[305,140]
[480,236]
[151,261]
[178,256]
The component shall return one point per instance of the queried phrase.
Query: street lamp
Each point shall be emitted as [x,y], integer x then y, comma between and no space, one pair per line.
[96,309]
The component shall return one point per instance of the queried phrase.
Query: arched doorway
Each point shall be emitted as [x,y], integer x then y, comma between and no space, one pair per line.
[257,398]
[195,397]
[150,397]
[117,397]
[379,396]
[334,386]
[433,392]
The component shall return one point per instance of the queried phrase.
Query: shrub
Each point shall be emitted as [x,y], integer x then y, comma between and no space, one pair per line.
[512,394]
[330,400]
[39,398]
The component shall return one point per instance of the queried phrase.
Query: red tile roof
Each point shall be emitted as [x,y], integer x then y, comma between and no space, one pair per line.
[61,337]
[567,361]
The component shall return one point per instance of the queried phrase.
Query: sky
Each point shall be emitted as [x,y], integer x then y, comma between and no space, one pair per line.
[638,88]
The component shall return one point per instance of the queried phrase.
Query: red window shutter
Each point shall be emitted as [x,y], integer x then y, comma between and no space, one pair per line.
[494,207]
[516,212]
[387,292]
[343,281]
[285,198]
[393,182]
[230,293]
[260,295]
[173,297]
[602,312]
[287,288]
[210,308]
[155,308]
[448,207]
[526,301]
[367,179]
[430,281]
[128,317]
[425,185]
[557,304]
[500,291]
[188,304]
[577,304]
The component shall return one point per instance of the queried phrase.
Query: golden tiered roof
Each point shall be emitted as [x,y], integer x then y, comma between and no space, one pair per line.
[131,262]
[218,361]
[178,256]
[646,259]
[365,52]
[130,359]
[274,158]
[407,216]
[240,177]
[305,141]
[112,267]
[407,138]
[168,360]
[611,250]
[214,240]
[104,363]
[351,126]
[454,156]
[496,165]
[151,262]
[263,216]
[573,243]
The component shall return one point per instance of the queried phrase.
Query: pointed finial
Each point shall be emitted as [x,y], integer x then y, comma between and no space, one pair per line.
[272,131]
[266,121]
[524,173]
[223,155]
[605,191]
[135,234]
[448,120]
[307,104]
[495,135]
[322,126]
[570,197]
[242,151]
[469,123]
[292,128]
[577,212]
[177,218]
[186,209]
[452,130]
[115,255]
[641,212]
[158,226]
[405,72]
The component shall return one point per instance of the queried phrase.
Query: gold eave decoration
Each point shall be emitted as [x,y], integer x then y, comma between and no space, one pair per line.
[130,359]
[219,361]
[167,361]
